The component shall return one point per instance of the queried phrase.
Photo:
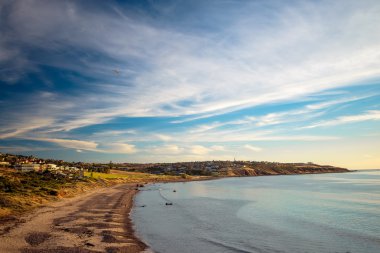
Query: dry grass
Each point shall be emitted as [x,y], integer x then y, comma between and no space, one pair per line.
[130,176]
[21,192]
[5,211]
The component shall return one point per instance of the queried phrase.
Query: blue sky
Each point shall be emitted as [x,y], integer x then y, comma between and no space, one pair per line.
[162,81]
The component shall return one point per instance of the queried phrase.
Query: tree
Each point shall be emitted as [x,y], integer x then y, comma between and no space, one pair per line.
[109,168]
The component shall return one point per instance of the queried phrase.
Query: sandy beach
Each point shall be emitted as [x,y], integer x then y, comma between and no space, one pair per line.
[97,221]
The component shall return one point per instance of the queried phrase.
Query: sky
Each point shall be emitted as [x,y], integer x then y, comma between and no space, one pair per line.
[167,81]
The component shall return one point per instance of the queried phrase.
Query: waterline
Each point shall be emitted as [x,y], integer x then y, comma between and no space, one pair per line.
[305,213]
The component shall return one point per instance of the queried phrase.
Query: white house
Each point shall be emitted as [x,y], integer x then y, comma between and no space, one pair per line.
[26,167]
[49,166]
[4,164]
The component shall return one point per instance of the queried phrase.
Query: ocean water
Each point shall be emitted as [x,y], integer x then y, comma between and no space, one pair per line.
[301,213]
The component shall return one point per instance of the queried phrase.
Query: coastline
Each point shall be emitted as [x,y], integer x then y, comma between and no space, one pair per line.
[96,221]
[197,211]
[147,249]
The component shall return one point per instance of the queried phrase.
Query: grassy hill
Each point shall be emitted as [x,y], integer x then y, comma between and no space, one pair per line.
[20,192]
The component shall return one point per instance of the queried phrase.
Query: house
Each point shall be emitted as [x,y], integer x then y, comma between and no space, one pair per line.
[26,167]
[49,166]
[4,164]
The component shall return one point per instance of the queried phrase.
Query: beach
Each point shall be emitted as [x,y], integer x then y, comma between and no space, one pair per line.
[97,221]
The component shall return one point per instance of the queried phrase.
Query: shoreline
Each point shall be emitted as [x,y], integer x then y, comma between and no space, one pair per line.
[96,221]
[178,223]
[147,249]
[130,226]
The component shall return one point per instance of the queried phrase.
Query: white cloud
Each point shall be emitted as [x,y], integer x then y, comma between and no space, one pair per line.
[80,145]
[207,127]
[184,150]
[112,133]
[118,148]
[252,148]
[306,113]
[367,116]
[186,138]
[218,148]
[23,148]
[163,137]
[326,104]
[169,149]
[310,47]
[199,150]
[74,144]
[23,126]
[246,137]
[166,70]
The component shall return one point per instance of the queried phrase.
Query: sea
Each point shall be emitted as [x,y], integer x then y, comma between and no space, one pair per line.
[335,213]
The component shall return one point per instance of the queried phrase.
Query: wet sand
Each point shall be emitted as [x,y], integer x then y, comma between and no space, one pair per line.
[93,222]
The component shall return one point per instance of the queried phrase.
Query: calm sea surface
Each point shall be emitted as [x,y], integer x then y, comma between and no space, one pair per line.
[303,213]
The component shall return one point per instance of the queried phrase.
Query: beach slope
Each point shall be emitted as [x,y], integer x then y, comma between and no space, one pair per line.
[97,221]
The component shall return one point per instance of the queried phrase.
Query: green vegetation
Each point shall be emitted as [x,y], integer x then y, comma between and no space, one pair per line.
[233,168]
[20,192]
[130,176]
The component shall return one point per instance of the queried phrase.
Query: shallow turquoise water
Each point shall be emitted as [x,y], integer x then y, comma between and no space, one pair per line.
[303,213]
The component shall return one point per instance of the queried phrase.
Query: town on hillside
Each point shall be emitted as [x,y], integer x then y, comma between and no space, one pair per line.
[200,168]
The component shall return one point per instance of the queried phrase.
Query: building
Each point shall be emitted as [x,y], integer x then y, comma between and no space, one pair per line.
[26,167]
[4,164]
[49,166]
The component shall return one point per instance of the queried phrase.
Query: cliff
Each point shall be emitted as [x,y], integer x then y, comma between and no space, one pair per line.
[283,170]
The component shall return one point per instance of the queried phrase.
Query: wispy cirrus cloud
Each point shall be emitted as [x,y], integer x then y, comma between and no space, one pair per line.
[252,148]
[74,144]
[163,137]
[118,148]
[167,149]
[262,68]
[101,78]
[184,149]
[370,115]
[199,150]
[305,113]
[80,145]
[23,126]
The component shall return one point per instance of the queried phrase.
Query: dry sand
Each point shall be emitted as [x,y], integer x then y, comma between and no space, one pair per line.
[93,222]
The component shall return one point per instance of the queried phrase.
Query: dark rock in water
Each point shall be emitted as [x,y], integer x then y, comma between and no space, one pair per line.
[174,191]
